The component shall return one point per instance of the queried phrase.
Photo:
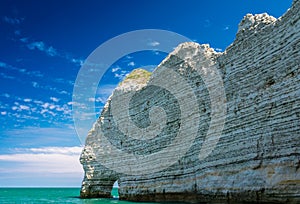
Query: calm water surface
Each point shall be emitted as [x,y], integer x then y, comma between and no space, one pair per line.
[50,195]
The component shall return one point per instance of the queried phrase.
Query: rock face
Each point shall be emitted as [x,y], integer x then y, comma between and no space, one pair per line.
[257,158]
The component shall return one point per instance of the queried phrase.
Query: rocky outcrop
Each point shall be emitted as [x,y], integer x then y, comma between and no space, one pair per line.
[257,157]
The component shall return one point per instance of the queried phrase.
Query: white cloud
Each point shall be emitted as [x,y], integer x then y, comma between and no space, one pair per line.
[77,61]
[65,109]
[35,84]
[71,103]
[43,110]
[43,160]
[47,111]
[3,113]
[23,107]
[218,49]
[120,76]
[115,69]
[153,43]
[226,28]
[76,150]
[45,105]
[131,64]
[20,108]
[51,107]
[54,99]
[38,102]
[123,73]
[98,99]
[14,108]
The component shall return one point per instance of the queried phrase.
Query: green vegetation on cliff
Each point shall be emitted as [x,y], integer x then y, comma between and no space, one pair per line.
[137,75]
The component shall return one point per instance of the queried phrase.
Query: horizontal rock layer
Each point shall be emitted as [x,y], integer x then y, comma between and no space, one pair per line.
[257,158]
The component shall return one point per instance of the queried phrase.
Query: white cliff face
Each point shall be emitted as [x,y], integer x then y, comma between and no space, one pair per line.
[257,157]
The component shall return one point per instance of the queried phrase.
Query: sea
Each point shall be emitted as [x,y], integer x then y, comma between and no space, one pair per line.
[53,195]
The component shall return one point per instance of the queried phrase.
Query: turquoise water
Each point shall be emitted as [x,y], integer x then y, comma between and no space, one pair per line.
[50,195]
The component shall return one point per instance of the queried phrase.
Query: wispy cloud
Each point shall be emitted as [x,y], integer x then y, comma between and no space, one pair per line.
[41,160]
[49,88]
[5,76]
[153,43]
[106,89]
[27,99]
[40,111]
[121,76]
[21,70]
[95,99]
[64,81]
[115,69]
[227,27]
[35,84]
[12,21]
[49,50]
[75,150]
[103,92]
[155,52]
[54,99]
[39,45]
[34,79]
[218,49]
[131,64]
[6,95]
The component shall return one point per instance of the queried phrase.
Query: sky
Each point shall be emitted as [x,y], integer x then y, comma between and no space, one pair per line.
[43,45]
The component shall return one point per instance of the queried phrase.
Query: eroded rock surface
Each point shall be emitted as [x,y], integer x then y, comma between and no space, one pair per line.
[257,158]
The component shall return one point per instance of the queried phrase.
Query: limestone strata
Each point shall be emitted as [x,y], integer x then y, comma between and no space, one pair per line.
[257,159]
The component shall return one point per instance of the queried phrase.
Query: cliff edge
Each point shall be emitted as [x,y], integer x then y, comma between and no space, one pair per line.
[256,158]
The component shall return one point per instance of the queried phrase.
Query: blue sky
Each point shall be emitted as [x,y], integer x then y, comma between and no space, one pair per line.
[42,47]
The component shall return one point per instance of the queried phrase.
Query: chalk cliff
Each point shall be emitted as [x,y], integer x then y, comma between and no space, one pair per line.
[257,157]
